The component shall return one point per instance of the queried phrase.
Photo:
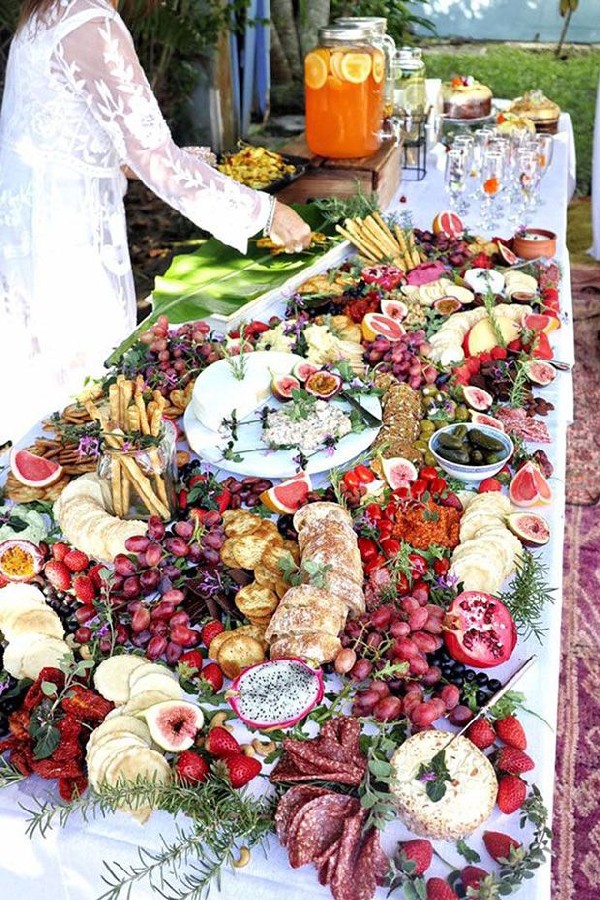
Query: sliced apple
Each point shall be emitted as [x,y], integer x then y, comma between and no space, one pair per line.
[482,337]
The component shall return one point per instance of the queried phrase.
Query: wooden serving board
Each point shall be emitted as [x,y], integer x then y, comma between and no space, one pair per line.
[325,177]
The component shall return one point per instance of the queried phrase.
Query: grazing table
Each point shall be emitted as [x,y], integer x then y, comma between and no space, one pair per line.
[67,863]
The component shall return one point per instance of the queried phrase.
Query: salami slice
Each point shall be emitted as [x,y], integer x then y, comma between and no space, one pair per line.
[320,824]
[289,805]
[342,881]
[365,872]
[294,822]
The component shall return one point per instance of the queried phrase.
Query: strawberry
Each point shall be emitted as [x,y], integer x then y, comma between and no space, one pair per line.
[193,659]
[209,631]
[221,743]
[489,484]
[76,560]
[240,769]
[94,574]
[191,767]
[59,550]
[514,761]
[213,675]
[511,794]
[83,588]
[58,575]
[438,889]
[499,845]
[481,734]
[470,876]
[498,353]
[510,731]
[420,852]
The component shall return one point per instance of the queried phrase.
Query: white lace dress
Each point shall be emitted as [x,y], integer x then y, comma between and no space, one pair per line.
[77,106]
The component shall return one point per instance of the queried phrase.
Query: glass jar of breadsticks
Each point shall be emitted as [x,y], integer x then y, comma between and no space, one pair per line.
[137,467]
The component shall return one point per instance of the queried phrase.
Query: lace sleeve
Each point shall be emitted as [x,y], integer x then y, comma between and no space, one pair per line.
[98,60]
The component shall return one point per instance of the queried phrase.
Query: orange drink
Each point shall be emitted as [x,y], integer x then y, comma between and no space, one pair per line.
[343,83]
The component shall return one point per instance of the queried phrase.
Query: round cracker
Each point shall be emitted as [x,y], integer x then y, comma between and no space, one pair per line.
[238,653]
[111,678]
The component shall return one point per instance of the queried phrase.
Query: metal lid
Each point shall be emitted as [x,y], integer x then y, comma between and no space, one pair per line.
[351,33]
[375,23]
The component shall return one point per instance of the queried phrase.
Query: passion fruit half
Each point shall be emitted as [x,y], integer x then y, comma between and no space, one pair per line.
[323,384]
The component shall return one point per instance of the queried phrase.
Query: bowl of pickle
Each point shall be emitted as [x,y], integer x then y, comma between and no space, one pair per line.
[469,451]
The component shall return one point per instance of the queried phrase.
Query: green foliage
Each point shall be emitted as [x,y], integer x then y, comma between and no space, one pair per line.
[402,18]
[509,71]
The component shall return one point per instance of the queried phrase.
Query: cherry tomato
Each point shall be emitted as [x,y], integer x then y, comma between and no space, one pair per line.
[364,475]
[428,473]
[402,584]
[376,563]
[367,548]
[480,630]
[418,565]
[351,480]
[438,485]
[223,500]
[373,511]
[196,479]
[418,488]
[391,510]
[441,566]
[402,492]
[385,530]
[391,547]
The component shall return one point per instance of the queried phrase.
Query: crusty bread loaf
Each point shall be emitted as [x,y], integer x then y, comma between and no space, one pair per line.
[314,512]
[315,646]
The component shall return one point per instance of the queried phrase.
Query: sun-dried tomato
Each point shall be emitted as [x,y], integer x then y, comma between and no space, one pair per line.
[86,705]
[35,694]
[48,768]
[18,724]
[69,748]
[8,743]
[70,728]
[69,788]
[21,759]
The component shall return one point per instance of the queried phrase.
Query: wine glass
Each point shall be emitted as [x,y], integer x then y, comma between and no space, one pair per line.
[455,180]
[493,172]
[527,172]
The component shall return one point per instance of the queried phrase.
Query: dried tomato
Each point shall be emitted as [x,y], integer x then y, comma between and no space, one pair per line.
[35,694]
[18,724]
[86,705]
[69,788]
[21,759]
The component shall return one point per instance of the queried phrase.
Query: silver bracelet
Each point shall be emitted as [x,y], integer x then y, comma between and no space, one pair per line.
[270,217]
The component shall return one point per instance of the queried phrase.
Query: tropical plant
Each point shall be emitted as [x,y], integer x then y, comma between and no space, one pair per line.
[401,16]
[566,9]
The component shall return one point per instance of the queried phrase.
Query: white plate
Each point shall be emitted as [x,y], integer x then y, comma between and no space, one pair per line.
[267,463]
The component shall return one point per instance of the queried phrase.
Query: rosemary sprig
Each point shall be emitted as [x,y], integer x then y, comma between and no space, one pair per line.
[238,362]
[528,595]
[8,774]
[517,391]
[223,820]
[489,301]
[335,209]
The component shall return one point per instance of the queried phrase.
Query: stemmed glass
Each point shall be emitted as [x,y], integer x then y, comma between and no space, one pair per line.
[527,176]
[543,146]
[493,172]
[456,176]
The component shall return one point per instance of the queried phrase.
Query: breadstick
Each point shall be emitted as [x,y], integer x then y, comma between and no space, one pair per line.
[117,493]
[366,240]
[133,418]
[400,238]
[384,225]
[155,422]
[380,237]
[141,407]
[125,492]
[113,399]
[358,244]
[144,488]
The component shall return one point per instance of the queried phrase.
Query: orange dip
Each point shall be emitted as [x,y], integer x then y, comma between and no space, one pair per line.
[428,524]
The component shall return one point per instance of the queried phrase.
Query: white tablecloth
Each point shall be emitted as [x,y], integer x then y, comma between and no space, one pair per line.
[67,864]
[595,251]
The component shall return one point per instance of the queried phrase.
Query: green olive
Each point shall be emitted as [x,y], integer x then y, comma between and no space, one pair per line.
[441,423]
[422,445]
[429,459]
[429,390]
[462,413]
[427,426]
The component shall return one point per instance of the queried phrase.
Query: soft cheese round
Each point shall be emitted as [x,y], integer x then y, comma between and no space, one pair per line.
[470,794]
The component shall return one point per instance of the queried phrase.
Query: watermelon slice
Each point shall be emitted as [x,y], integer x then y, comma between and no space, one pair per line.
[288,496]
[33,470]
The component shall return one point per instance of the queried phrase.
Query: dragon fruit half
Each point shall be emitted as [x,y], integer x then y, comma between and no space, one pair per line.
[276,694]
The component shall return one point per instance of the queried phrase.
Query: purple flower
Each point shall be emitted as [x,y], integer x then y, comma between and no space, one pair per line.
[427,776]
[5,683]
[447,581]
[103,630]
[88,446]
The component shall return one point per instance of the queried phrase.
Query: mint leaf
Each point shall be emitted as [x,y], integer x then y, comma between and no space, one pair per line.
[466,852]
[435,790]
[46,742]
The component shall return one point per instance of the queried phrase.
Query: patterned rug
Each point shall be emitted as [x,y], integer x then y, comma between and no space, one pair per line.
[576,862]
[583,449]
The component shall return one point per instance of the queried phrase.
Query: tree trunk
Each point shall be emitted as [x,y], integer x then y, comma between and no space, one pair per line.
[563,33]
[281,72]
[312,16]
[282,20]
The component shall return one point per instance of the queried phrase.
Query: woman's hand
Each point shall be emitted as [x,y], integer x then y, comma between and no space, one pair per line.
[289,230]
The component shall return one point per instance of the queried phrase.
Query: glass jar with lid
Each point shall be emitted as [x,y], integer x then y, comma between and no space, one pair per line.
[409,83]
[343,82]
[383,40]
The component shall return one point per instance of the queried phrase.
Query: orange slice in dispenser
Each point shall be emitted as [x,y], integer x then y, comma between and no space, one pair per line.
[355,67]
[315,71]
[335,63]
[378,66]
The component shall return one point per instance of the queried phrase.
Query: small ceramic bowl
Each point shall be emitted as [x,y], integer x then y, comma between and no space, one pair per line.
[534,242]
[468,472]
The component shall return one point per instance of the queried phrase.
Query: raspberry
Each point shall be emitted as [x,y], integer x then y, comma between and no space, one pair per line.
[76,560]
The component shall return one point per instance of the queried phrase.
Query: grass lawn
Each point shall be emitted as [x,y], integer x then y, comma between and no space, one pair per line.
[571,82]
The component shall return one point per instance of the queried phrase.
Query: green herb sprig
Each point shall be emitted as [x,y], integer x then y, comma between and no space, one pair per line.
[517,392]
[43,723]
[528,595]
[222,820]
[489,301]
[435,774]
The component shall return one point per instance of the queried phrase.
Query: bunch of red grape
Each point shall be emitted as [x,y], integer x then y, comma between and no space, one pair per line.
[148,590]
[402,358]
[173,356]
[453,251]
[406,632]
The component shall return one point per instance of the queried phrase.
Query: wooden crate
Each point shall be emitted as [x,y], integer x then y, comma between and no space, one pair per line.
[378,174]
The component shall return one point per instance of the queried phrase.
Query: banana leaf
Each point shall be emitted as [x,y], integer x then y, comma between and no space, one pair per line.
[217,279]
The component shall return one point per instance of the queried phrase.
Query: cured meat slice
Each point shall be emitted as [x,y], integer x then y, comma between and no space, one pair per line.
[289,805]
[371,866]
[342,881]
[320,825]
[517,422]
